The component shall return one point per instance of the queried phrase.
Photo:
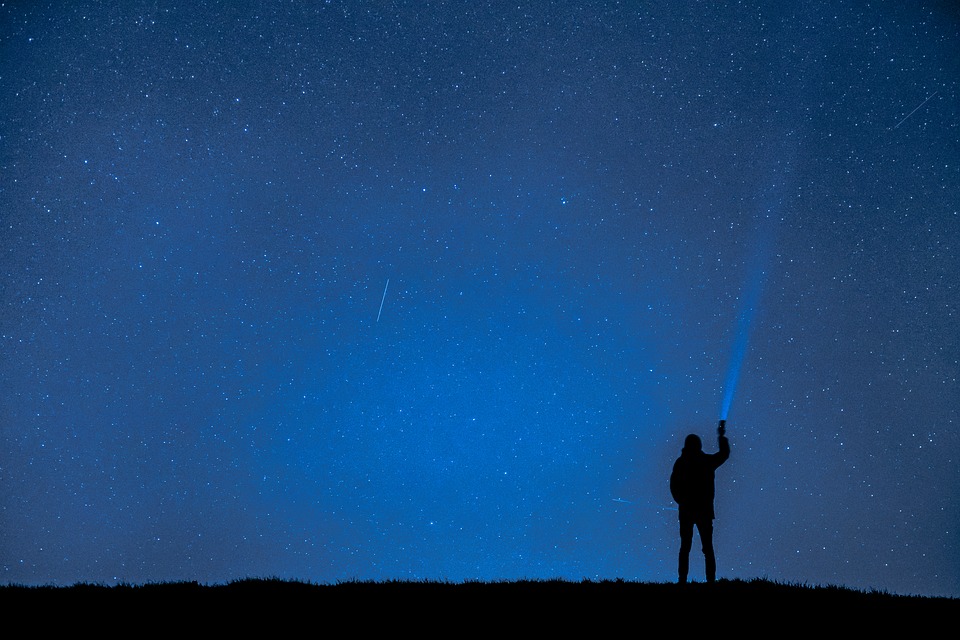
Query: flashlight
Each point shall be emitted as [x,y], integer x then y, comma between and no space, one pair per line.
[722,427]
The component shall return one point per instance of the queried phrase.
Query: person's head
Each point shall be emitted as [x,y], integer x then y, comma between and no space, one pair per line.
[692,443]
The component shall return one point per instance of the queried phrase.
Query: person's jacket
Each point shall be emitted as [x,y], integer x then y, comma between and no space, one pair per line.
[692,480]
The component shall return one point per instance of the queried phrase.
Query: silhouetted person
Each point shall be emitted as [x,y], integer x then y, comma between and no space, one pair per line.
[692,486]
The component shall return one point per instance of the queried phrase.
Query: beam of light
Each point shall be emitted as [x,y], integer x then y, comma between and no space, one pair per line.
[764,239]
[383,298]
[748,311]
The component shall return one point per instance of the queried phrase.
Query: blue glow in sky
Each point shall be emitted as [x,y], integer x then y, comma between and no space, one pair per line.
[755,274]
[206,375]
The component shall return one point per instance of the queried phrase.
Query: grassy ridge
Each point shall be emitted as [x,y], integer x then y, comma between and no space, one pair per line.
[758,606]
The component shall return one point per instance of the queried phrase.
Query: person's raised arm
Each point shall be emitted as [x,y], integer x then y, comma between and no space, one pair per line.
[724,444]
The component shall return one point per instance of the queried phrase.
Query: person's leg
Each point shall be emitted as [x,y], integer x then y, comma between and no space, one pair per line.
[686,543]
[705,527]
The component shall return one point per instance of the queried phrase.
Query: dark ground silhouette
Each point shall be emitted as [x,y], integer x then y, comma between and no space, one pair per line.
[753,607]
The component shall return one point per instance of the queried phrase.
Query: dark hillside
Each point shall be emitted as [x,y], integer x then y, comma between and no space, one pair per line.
[527,606]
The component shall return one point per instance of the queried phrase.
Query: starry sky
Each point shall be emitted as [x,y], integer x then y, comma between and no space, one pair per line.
[434,290]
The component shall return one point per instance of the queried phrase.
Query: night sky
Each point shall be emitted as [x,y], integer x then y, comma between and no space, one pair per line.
[434,290]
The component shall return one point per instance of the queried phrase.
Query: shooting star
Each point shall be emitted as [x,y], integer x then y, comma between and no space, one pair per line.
[649,505]
[383,298]
[917,109]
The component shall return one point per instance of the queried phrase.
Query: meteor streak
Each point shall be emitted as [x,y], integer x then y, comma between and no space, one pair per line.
[917,109]
[383,298]
[649,504]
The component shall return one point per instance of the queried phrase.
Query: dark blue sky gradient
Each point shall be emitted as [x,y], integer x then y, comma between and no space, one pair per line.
[201,205]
